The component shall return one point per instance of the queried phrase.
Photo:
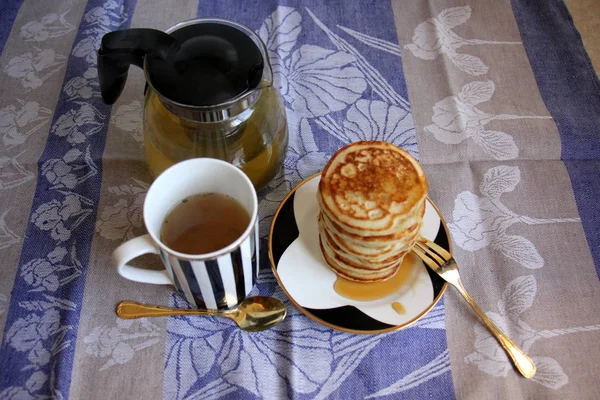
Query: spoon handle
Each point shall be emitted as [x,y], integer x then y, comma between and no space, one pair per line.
[131,309]
[524,364]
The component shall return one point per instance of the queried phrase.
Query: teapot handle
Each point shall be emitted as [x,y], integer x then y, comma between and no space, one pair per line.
[119,49]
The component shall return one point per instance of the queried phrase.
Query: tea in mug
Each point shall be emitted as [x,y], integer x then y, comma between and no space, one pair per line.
[204,223]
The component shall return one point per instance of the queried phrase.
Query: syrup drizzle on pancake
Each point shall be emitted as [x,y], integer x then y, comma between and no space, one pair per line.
[370,291]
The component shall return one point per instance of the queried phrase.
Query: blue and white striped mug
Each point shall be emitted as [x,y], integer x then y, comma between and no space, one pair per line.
[212,281]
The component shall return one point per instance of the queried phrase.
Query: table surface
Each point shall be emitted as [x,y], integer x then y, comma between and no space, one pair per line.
[498,101]
[586,15]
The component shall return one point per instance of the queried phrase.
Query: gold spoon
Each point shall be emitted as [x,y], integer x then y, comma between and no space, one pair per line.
[253,314]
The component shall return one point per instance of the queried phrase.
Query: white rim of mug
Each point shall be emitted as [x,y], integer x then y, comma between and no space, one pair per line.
[225,250]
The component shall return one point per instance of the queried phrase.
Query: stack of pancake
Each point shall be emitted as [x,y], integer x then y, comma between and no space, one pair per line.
[372,198]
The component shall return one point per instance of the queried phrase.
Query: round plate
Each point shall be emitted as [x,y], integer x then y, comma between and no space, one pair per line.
[308,282]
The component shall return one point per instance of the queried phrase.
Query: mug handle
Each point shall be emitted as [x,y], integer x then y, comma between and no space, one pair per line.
[134,248]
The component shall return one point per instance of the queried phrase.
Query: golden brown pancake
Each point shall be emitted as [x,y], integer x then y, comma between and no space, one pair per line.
[371,187]
[386,260]
[353,274]
[364,254]
[376,241]
[372,199]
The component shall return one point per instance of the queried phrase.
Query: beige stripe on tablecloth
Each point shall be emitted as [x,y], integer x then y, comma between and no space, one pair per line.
[14,217]
[110,351]
[515,91]
[563,292]
[549,288]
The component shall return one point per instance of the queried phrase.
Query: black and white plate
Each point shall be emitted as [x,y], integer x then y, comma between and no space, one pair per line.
[308,282]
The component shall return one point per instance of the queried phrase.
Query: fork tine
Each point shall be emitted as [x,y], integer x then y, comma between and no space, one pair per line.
[423,256]
[436,247]
[423,247]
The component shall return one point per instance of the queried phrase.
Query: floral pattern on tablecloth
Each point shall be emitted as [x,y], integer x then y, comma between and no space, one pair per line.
[336,88]
[42,318]
[329,89]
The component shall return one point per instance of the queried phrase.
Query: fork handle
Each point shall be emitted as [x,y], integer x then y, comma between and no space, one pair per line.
[523,363]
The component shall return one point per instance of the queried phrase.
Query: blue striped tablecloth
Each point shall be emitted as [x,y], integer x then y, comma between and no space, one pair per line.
[499,102]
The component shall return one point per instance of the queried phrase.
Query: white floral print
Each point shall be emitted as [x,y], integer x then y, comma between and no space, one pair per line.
[7,237]
[198,346]
[280,32]
[438,366]
[38,272]
[12,173]
[13,120]
[49,302]
[27,332]
[479,222]
[129,117]
[87,47]
[81,88]
[62,217]
[27,66]
[40,333]
[456,119]
[373,120]
[374,42]
[335,90]
[100,20]
[435,36]
[373,77]
[91,73]
[316,81]
[110,13]
[123,220]
[489,356]
[377,120]
[50,26]
[322,88]
[78,123]
[119,343]
[35,382]
[47,277]
[65,173]
[46,274]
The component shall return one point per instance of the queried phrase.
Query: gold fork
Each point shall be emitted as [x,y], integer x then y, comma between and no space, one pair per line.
[442,262]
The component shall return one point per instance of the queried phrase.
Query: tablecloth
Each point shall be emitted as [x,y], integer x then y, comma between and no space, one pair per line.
[499,102]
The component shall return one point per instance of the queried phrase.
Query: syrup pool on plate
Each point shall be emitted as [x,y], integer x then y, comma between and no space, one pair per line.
[377,290]
[399,308]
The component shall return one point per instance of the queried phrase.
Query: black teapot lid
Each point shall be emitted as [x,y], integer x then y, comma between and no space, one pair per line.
[198,64]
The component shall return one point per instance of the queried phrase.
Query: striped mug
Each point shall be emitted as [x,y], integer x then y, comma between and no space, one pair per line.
[212,281]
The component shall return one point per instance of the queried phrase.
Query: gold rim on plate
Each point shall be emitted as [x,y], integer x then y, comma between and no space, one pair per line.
[321,321]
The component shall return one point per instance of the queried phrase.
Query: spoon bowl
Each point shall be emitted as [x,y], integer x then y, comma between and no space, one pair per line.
[254,314]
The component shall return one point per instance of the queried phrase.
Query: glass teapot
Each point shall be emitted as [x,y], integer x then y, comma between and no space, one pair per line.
[209,93]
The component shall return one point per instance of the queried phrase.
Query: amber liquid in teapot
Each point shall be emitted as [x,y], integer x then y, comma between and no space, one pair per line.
[255,141]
